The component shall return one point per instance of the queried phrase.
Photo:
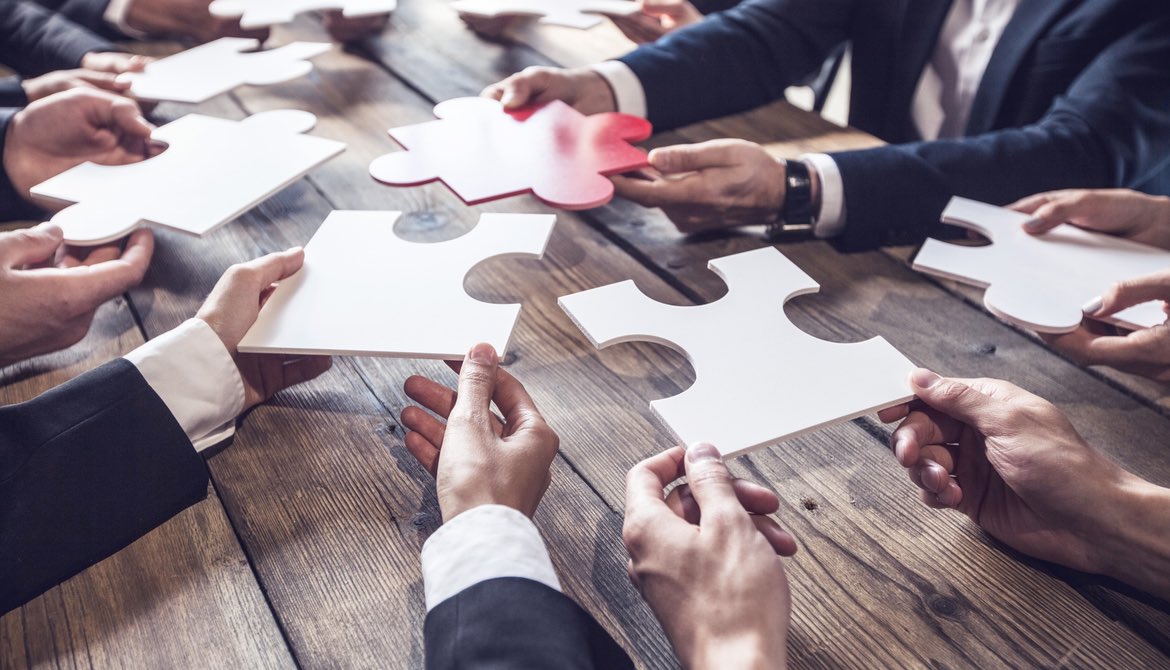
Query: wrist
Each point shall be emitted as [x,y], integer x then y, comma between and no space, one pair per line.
[1134,543]
[751,650]
[598,94]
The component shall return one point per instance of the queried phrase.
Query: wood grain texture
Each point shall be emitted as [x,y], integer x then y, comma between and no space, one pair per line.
[182,592]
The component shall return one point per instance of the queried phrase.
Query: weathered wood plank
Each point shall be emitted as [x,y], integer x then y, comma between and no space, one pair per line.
[182,592]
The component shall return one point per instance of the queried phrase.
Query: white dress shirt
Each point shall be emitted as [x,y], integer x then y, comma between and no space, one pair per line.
[942,101]
[192,372]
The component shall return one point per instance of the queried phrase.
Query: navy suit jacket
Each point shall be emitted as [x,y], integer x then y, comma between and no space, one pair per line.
[34,40]
[517,623]
[86,469]
[88,13]
[1077,94]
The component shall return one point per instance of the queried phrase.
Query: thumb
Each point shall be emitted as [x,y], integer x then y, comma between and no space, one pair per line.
[711,486]
[126,119]
[954,397]
[1130,292]
[31,245]
[477,384]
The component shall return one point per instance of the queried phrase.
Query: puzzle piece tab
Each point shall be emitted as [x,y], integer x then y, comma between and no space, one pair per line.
[365,291]
[580,14]
[758,378]
[212,171]
[482,152]
[265,13]
[202,72]
[1041,282]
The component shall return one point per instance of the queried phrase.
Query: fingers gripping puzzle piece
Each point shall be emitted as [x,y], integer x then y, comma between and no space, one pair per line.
[212,171]
[580,14]
[758,378]
[1041,282]
[202,72]
[365,291]
[264,13]
[482,152]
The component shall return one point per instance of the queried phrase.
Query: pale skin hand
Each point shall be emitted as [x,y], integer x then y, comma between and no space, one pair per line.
[581,88]
[231,309]
[710,185]
[657,18]
[476,458]
[1015,466]
[49,293]
[185,18]
[706,558]
[67,129]
[98,71]
[1129,214]
[114,62]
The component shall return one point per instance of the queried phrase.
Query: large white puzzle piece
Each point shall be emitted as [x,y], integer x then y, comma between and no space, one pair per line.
[365,291]
[1041,282]
[758,378]
[580,14]
[264,13]
[205,71]
[212,171]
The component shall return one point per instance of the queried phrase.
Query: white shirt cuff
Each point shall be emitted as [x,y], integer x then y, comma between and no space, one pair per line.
[831,218]
[193,373]
[628,94]
[487,542]
[115,15]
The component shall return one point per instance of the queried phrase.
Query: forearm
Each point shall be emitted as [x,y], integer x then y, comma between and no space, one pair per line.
[747,652]
[1139,545]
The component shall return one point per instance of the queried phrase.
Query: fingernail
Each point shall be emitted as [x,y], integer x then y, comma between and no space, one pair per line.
[703,452]
[483,354]
[1093,306]
[506,98]
[1032,224]
[923,378]
[901,444]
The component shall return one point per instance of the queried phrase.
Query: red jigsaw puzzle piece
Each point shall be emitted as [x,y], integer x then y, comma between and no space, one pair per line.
[483,153]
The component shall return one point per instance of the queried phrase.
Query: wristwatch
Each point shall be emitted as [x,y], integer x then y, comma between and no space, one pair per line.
[796,216]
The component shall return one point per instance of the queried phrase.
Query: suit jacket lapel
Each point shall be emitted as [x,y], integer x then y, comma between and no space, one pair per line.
[1030,21]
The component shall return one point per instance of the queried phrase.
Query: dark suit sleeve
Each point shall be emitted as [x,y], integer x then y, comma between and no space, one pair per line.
[90,14]
[85,469]
[738,59]
[517,623]
[1110,128]
[12,206]
[34,40]
[12,92]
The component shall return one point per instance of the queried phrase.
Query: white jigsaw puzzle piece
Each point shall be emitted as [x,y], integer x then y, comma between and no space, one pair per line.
[363,290]
[580,14]
[265,13]
[212,171]
[202,72]
[759,379]
[1041,282]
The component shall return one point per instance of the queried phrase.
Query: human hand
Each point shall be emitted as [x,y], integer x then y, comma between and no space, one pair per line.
[231,309]
[1012,463]
[1144,352]
[1129,214]
[185,18]
[114,62]
[657,18]
[67,129]
[710,185]
[581,88]
[347,29]
[49,293]
[477,459]
[706,560]
[45,85]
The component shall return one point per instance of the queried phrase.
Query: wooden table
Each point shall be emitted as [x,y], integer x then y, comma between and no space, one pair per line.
[305,552]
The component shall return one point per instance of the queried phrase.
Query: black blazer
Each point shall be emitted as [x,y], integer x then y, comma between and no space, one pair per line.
[87,13]
[1077,94]
[86,469]
[517,623]
[12,205]
[34,40]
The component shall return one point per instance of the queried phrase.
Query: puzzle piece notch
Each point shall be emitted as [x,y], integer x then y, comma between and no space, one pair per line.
[423,310]
[265,13]
[759,379]
[580,14]
[1040,282]
[189,187]
[204,71]
[573,152]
